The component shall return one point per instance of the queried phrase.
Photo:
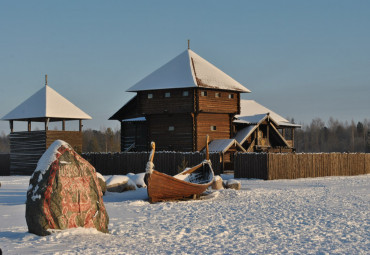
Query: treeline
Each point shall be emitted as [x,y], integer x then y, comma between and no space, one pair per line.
[105,140]
[333,136]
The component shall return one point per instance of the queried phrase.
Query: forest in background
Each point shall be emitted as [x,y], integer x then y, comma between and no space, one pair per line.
[318,136]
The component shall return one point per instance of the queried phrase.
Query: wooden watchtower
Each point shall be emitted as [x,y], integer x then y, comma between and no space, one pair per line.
[179,104]
[45,106]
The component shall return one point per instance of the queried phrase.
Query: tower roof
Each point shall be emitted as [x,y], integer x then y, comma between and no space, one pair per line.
[188,70]
[46,103]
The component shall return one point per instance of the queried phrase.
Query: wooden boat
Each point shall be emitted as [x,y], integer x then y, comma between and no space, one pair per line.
[189,183]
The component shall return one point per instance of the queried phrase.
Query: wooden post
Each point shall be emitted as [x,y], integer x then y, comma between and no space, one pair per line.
[267,135]
[64,125]
[47,124]
[11,126]
[292,137]
[80,125]
[29,126]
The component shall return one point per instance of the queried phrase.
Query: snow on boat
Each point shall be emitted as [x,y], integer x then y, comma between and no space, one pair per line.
[192,182]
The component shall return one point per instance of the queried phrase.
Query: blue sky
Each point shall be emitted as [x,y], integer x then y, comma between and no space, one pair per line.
[302,59]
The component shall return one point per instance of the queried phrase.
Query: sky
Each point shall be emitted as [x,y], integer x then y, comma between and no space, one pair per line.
[301,59]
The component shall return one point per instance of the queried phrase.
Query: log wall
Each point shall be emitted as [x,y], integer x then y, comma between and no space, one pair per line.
[204,121]
[158,104]
[179,139]
[273,166]
[26,148]
[221,104]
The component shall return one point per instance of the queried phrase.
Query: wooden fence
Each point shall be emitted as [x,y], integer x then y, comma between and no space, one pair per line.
[135,162]
[4,164]
[291,166]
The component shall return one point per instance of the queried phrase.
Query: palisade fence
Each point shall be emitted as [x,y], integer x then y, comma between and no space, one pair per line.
[135,162]
[271,166]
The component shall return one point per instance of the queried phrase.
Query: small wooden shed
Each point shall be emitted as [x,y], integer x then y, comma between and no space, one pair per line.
[45,106]
[258,129]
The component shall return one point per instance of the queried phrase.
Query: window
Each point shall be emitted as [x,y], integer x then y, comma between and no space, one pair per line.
[217,94]
[203,93]
[231,96]
[167,94]
[171,128]
[213,128]
[150,96]
[185,93]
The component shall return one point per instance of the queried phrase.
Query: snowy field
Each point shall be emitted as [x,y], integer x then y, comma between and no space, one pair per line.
[304,216]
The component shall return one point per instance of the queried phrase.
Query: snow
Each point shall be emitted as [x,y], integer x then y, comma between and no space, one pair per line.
[244,133]
[183,72]
[138,179]
[223,145]
[304,216]
[118,179]
[253,112]
[46,103]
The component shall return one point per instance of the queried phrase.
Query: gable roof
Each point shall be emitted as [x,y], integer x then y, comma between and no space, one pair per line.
[223,145]
[252,112]
[46,103]
[188,70]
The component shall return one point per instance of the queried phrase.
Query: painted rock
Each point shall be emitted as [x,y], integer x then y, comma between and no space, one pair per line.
[64,192]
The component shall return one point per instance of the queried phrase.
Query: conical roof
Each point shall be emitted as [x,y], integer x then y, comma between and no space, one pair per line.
[188,70]
[46,103]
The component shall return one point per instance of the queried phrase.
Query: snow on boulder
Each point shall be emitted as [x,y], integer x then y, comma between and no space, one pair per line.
[64,192]
[232,184]
[120,183]
[102,183]
[217,183]
[138,179]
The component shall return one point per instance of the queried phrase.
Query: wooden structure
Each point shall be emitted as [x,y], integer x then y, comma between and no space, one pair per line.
[178,105]
[189,183]
[45,106]
[258,129]
[272,166]
[226,148]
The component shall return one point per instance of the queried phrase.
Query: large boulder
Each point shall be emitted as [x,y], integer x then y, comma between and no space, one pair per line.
[120,183]
[232,184]
[64,192]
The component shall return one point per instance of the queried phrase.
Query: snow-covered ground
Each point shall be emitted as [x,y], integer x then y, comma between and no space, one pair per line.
[304,216]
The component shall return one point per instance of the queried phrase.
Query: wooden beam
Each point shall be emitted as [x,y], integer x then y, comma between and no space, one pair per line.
[29,126]
[11,124]
[64,125]
[47,124]
[80,125]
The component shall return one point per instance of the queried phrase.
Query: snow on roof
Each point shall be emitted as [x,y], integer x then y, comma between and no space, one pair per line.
[46,103]
[222,145]
[253,119]
[188,70]
[244,133]
[250,111]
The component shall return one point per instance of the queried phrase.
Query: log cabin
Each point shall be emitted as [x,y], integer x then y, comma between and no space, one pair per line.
[184,100]
[45,106]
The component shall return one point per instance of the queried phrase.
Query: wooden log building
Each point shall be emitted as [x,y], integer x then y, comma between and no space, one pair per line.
[45,106]
[184,100]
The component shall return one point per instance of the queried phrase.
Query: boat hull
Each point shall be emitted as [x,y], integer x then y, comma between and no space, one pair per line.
[162,187]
